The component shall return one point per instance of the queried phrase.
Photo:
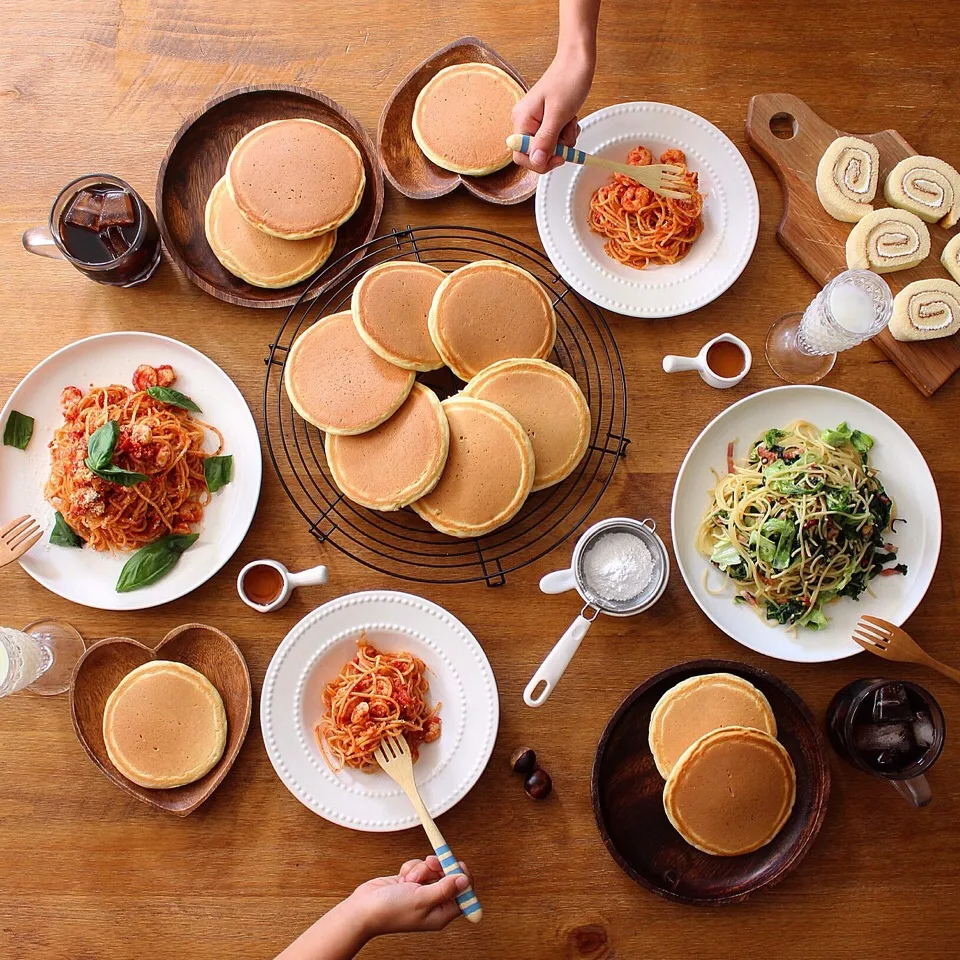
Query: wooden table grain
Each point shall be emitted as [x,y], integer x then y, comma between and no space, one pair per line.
[87,872]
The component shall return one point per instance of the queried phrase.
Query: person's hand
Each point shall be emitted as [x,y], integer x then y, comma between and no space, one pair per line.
[419,897]
[549,110]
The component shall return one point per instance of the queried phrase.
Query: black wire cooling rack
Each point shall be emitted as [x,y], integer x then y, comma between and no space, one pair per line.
[400,543]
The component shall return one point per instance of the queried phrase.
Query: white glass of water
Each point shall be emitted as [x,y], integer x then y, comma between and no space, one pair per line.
[40,658]
[851,309]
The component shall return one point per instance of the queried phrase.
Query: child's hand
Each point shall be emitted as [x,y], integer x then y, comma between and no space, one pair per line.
[549,110]
[420,897]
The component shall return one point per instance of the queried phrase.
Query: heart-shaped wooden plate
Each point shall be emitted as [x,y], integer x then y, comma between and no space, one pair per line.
[405,164]
[204,648]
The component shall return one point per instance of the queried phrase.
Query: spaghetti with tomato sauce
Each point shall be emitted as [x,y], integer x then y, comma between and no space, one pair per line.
[163,442]
[375,695]
[641,226]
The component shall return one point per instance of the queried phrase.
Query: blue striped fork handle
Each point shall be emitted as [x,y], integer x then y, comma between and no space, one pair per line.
[467,901]
[662,178]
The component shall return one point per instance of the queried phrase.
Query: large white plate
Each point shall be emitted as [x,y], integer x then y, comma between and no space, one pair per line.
[903,472]
[86,576]
[314,652]
[731,213]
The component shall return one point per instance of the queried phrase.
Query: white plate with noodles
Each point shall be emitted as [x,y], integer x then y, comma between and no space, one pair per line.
[113,520]
[712,262]
[318,651]
[808,516]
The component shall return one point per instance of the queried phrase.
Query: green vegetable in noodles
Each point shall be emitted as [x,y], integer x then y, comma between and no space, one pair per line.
[101,445]
[724,554]
[173,397]
[63,535]
[218,472]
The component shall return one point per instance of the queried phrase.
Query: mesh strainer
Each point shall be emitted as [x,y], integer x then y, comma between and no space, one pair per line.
[552,668]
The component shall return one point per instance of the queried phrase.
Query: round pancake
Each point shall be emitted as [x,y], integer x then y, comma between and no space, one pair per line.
[337,383]
[488,474]
[463,116]
[398,462]
[255,256]
[390,305]
[696,706]
[548,404]
[296,178]
[164,725]
[487,311]
[731,791]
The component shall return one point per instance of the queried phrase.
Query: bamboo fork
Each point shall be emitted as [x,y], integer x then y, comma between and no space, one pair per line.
[890,642]
[17,537]
[393,755]
[662,178]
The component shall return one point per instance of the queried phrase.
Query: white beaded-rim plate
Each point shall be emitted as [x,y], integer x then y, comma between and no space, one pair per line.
[87,576]
[731,213]
[903,472]
[315,651]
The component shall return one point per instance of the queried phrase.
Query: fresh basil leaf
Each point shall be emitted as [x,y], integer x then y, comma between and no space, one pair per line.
[862,441]
[63,535]
[218,472]
[154,561]
[173,397]
[115,474]
[101,445]
[838,437]
[18,430]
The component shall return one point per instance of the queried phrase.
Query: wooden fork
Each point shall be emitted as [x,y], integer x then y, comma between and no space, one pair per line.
[17,537]
[890,642]
[662,178]
[393,755]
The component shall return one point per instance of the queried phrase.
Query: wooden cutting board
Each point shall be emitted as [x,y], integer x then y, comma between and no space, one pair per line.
[818,241]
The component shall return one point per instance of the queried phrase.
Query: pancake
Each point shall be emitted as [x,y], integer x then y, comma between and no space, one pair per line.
[731,791]
[548,404]
[164,725]
[463,116]
[295,178]
[398,462]
[255,256]
[390,305]
[337,383]
[696,706]
[488,474]
[487,311]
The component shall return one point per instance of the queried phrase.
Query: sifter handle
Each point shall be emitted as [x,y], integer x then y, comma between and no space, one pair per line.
[557,661]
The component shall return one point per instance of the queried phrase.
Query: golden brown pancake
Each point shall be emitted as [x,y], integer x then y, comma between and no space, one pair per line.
[488,474]
[296,178]
[487,311]
[398,462]
[164,725]
[731,791]
[337,383]
[548,404]
[462,118]
[255,256]
[390,305]
[696,706]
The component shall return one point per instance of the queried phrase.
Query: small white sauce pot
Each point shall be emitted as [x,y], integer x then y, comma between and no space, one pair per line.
[314,577]
[674,364]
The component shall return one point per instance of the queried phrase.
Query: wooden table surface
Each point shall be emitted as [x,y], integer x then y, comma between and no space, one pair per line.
[87,872]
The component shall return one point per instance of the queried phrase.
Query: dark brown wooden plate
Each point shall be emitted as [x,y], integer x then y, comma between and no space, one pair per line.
[197,158]
[405,164]
[627,793]
[204,648]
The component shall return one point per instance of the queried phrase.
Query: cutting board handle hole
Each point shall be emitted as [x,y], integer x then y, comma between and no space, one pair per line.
[783,126]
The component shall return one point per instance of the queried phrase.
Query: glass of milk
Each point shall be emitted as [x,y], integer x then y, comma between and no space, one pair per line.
[40,658]
[849,310]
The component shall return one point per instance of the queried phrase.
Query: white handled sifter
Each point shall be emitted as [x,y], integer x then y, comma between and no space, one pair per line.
[619,567]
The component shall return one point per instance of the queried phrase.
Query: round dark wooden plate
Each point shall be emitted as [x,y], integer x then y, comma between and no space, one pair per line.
[627,793]
[405,164]
[197,158]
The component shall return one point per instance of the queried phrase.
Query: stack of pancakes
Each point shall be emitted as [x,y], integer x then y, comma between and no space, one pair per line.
[272,218]
[465,465]
[730,784]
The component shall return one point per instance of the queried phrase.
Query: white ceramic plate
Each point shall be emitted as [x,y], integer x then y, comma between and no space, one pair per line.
[86,576]
[903,472]
[314,652]
[731,213]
